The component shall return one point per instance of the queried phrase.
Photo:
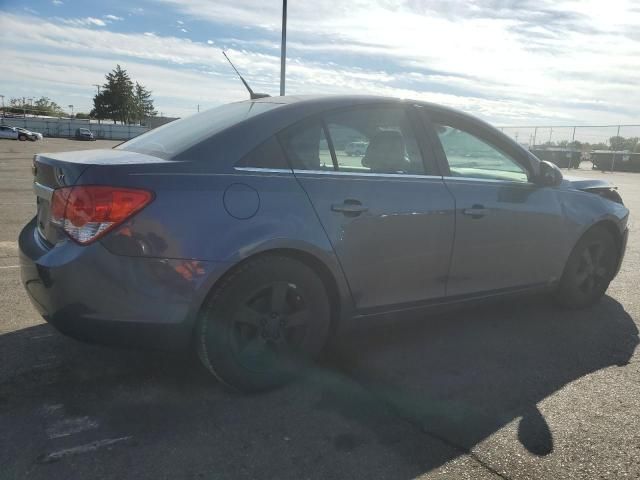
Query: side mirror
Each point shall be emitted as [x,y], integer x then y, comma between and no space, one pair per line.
[550,175]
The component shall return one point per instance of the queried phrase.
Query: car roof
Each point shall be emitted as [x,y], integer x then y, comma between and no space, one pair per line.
[328,102]
[239,138]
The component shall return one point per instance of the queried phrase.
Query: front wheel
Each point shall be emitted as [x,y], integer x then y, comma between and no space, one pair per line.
[589,270]
[22,138]
[264,323]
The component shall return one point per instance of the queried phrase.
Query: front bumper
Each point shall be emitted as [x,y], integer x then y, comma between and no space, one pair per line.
[90,294]
[623,249]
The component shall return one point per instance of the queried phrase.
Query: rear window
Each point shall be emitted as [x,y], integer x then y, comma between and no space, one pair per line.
[173,138]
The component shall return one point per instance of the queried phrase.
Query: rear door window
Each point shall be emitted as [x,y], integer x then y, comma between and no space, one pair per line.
[378,139]
[307,147]
[365,140]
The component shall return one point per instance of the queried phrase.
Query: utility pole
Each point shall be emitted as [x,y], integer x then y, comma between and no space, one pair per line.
[283,48]
[24,110]
[98,87]
[2,96]
[198,108]
[535,134]
[71,107]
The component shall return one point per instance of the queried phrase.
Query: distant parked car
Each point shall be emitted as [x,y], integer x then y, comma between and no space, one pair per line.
[84,134]
[356,148]
[12,133]
[33,136]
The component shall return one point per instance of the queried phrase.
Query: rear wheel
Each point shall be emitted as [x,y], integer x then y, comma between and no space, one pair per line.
[22,137]
[589,270]
[264,323]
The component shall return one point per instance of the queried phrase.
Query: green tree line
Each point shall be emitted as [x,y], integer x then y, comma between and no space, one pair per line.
[41,106]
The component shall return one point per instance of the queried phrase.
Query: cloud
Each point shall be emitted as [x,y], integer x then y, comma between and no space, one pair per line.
[184,30]
[525,53]
[564,60]
[113,17]
[57,3]
[84,22]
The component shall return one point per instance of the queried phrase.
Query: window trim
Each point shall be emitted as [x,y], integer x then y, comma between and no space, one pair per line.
[368,174]
[332,150]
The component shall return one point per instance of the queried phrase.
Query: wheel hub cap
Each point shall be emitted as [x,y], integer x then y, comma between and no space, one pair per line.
[273,326]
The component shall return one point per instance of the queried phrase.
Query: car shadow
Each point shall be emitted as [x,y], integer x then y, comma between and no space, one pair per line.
[423,391]
[462,376]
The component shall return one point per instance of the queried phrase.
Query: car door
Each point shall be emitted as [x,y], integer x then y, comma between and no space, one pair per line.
[510,232]
[387,212]
[7,132]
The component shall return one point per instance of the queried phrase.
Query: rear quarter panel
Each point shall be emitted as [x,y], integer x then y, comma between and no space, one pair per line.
[188,218]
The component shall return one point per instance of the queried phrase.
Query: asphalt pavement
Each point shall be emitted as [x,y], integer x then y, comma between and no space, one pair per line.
[511,390]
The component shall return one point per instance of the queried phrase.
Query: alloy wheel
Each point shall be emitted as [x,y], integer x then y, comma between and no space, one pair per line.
[269,325]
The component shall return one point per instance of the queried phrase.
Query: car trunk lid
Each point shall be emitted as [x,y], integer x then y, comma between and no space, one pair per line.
[65,169]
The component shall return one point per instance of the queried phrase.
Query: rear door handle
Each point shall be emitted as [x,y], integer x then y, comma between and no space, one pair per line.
[476,211]
[349,207]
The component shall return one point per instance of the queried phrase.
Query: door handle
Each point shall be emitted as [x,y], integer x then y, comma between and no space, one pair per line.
[349,207]
[476,211]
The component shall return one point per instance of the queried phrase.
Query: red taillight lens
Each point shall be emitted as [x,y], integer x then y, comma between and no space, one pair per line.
[88,212]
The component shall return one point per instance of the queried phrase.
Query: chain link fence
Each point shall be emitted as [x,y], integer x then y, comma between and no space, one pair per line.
[63,127]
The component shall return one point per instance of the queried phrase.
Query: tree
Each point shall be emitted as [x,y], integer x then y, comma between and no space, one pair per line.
[45,106]
[143,103]
[621,143]
[119,100]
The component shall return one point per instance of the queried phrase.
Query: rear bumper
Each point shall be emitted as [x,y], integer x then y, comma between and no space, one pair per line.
[93,295]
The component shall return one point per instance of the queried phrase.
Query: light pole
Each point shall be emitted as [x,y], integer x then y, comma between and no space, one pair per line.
[98,87]
[2,96]
[71,107]
[283,48]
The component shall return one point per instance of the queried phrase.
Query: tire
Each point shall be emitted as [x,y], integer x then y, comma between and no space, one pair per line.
[589,270]
[22,137]
[246,334]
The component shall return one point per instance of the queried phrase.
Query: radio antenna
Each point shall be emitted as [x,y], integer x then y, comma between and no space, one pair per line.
[252,94]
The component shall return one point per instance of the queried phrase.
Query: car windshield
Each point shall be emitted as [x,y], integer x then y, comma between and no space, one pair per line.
[176,137]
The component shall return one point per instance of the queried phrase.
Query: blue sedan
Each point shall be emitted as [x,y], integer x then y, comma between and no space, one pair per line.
[252,233]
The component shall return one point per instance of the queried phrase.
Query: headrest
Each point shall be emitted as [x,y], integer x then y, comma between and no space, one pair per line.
[386,153]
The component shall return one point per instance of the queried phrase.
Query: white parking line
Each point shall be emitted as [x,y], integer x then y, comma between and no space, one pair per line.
[89,447]
[11,266]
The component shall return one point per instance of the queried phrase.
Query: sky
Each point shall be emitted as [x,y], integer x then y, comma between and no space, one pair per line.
[510,62]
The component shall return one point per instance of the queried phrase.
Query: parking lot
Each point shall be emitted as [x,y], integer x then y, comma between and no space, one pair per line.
[513,390]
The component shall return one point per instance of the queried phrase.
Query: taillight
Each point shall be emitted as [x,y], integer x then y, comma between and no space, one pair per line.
[88,212]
